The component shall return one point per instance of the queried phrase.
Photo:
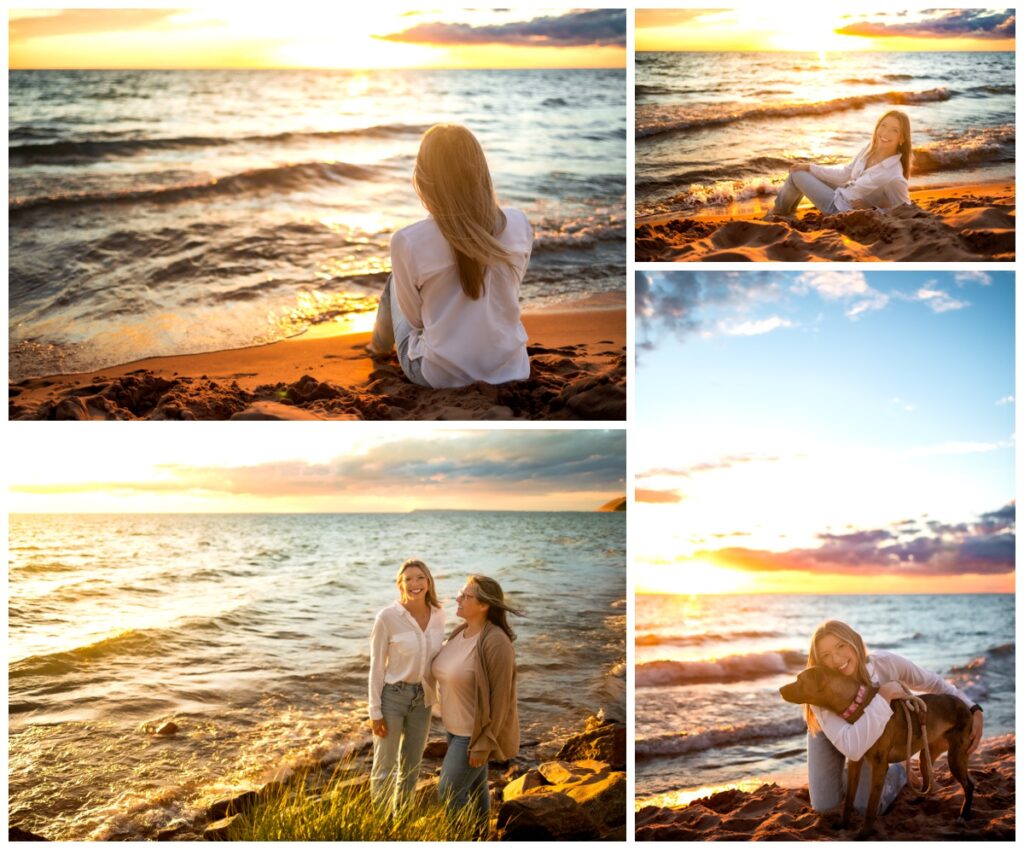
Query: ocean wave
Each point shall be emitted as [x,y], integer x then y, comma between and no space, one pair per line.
[733,668]
[697,640]
[978,146]
[684,119]
[70,152]
[126,643]
[720,193]
[578,233]
[671,744]
[284,178]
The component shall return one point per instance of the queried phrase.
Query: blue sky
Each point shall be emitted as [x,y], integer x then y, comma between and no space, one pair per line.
[857,399]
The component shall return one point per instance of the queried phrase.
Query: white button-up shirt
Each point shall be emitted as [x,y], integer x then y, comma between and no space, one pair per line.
[855,739]
[461,340]
[400,651]
[882,185]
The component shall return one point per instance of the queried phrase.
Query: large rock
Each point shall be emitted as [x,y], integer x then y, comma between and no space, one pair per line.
[232,805]
[600,741]
[16,833]
[545,815]
[523,785]
[218,831]
[594,785]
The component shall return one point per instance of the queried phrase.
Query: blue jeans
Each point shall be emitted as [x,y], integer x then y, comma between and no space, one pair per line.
[826,778]
[397,756]
[799,184]
[461,785]
[391,330]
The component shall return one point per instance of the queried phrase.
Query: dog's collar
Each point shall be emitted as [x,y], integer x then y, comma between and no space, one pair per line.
[860,702]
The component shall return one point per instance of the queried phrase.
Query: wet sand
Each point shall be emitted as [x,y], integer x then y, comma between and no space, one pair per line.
[578,371]
[772,813]
[946,224]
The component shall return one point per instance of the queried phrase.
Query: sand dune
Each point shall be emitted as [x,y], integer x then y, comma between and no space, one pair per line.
[963,223]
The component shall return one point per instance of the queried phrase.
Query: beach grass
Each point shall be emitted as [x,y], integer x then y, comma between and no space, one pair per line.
[343,811]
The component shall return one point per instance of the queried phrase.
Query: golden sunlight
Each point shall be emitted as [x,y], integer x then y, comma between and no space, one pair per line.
[689,577]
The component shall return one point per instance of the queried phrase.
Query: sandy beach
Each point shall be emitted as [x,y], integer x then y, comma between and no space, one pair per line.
[946,224]
[773,813]
[577,352]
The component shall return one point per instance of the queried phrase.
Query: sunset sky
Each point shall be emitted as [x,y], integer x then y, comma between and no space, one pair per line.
[824,27]
[356,468]
[378,35]
[826,431]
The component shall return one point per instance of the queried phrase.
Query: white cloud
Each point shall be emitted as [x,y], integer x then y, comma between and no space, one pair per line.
[964,277]
[831,284]
[834,285]
[1006,399]
[903,405]
[939,301]
[755,327]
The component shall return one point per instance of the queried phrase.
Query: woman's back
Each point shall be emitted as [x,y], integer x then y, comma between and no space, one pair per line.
[462,340]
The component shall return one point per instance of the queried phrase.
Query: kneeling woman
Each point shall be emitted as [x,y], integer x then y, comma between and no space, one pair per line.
[831,739]
[451,305]
[877,177]
[476,677]
[405,638]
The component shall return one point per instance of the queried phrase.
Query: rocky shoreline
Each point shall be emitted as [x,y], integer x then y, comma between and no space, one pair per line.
[580,795]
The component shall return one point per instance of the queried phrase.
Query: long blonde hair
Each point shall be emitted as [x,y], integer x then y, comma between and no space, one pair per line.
[906,148]
[432,600]
[843,632]
[454,183]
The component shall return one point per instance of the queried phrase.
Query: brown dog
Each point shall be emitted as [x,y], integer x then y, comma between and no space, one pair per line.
[947,725]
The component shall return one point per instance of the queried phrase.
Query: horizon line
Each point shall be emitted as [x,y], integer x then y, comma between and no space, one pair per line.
[333,68]
[831,593]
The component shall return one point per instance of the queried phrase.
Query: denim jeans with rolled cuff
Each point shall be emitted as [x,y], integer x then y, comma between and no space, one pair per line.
[826,778]
[397,756]
[800,184]
[461,785]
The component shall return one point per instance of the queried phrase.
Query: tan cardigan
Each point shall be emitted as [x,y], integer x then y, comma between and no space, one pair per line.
[496,720]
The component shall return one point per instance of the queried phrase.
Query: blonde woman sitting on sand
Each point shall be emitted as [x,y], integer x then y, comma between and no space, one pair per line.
[451,304]
[405,638]
[877,176]
[832,739]
[476,679]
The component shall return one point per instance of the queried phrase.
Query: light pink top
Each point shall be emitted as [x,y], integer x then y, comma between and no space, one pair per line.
[453,670]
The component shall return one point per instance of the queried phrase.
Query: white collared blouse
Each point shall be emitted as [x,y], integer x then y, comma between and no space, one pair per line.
[882,185]
[400,651]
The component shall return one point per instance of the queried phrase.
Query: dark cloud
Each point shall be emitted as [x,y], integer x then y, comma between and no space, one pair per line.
[534,462]
[982,547]
[673,302]
[656,497]
[947,23]
[592,28]
[81,21]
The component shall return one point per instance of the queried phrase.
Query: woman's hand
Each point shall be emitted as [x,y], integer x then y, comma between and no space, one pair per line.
[380,728]
[799,166]
[976,725]
[893,690]
[861,205]
[476,761]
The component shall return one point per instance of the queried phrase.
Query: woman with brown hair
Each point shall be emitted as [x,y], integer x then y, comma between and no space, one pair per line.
[476,678]
[877,177]
[451,304]
[832,739]
[405,638]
